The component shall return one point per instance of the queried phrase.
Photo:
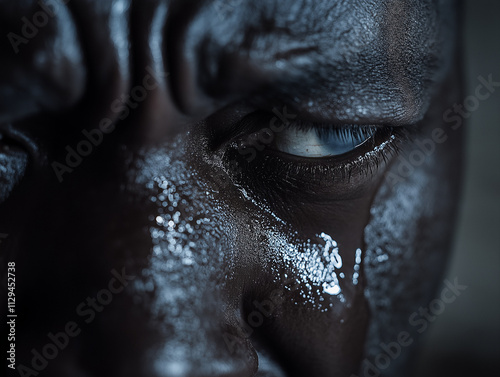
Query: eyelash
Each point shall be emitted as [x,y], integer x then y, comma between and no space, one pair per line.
[342,131]
[383,143]
[363,160]
[279,171]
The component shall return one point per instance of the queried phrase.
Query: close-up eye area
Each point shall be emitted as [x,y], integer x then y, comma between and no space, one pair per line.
[313,141]
[13,164]
[345,154]
[249,188]
[309,161]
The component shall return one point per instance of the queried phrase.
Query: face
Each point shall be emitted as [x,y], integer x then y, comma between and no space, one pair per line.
[225,188]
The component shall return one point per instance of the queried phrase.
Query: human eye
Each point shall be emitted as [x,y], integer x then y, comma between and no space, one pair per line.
[311,161]
[317,141]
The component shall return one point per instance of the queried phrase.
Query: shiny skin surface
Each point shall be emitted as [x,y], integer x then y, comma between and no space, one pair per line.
[205,245]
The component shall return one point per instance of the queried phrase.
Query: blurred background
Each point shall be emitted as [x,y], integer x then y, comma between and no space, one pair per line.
[465,339]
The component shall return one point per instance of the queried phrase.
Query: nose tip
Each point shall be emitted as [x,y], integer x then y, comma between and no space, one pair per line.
[203,362]
[210,349]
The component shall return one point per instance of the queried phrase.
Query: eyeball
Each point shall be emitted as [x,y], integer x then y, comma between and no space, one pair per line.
[316,142]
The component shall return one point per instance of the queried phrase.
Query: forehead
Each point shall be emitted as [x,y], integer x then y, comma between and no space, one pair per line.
[377,60]
[362,61]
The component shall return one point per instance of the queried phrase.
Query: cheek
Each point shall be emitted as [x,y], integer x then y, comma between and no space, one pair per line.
[192,237]
[303,299]
[408,240]
[223,267]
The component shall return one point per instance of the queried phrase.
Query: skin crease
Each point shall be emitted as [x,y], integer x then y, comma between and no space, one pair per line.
[236,236]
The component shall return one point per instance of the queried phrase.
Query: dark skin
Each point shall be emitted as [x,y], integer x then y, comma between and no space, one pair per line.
[207,234]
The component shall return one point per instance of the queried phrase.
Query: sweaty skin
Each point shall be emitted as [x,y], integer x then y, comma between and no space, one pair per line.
[214,264]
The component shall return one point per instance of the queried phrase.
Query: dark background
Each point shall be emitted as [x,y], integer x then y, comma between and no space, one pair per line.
[465,339]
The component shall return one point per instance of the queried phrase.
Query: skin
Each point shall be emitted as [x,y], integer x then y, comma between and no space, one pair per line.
[237,236]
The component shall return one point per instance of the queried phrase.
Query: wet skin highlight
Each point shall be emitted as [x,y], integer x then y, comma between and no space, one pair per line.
[282,266]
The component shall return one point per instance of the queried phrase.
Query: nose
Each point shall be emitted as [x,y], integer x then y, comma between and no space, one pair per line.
[331,63]
[192,311]
[202,347]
